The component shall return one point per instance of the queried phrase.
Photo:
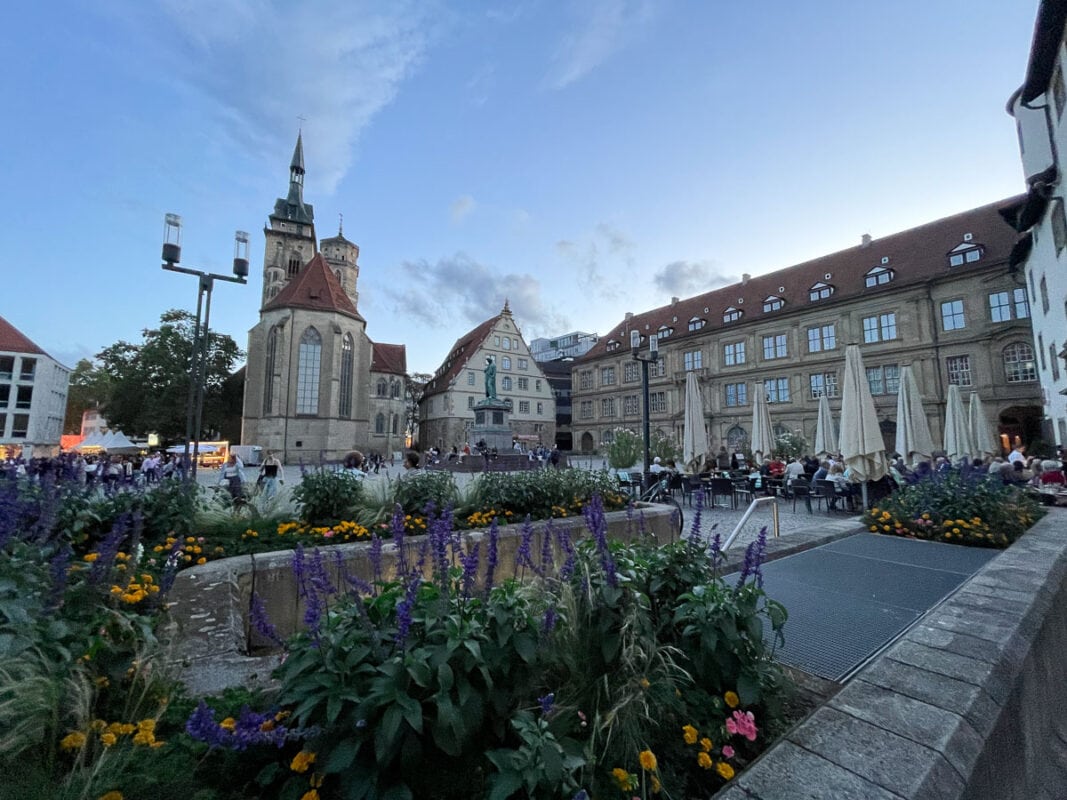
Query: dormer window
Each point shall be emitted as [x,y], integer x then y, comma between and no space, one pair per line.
[731,314]
[967,252]
[664,332]
[772,303]
[696,323]
[820,291]
[612,345]
[879,276]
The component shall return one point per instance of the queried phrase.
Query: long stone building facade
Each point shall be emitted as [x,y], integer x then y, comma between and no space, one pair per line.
[939,297]
[446,409]
[314,380]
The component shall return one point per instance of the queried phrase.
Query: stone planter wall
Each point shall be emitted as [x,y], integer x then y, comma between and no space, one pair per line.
[216,646]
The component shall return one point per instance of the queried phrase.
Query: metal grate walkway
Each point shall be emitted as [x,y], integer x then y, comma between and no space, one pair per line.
[850,598]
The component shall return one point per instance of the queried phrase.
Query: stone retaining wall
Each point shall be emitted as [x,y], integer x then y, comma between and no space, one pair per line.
[216,646]
[970,704]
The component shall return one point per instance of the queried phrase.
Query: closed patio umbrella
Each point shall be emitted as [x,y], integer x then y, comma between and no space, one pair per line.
[862,448]
[825,435]
[695,435]
[985,444]
[762,440]
[957,431]
[914,442]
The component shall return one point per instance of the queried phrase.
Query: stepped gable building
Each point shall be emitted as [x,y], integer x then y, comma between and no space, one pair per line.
[1038,107]
[446,409]
[33,396]
[310,384]
[938,297]
[388,376]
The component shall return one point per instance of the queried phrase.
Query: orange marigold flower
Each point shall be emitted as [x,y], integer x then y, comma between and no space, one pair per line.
[73,741]
[690,734]
[704,760]
[706,744]
[648,760]
[732,700]
[725,770]
[302,760]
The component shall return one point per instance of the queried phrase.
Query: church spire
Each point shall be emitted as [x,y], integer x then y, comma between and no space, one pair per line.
[293,207]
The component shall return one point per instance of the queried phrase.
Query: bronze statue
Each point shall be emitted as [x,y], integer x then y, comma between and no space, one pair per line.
[490,378]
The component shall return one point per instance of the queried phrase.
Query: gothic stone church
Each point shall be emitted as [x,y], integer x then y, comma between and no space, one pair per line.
[316,386]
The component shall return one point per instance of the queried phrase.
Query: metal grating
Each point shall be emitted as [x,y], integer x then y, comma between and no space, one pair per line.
[850,598]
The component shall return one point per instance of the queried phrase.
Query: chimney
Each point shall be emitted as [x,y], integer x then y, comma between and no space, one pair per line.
[674,301]
[865,240]
[745,278]
[629,315]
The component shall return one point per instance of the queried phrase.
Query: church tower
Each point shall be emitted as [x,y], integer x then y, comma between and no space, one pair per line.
[343,256]
[290,232]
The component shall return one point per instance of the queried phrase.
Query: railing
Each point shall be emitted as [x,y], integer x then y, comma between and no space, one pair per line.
[752,507]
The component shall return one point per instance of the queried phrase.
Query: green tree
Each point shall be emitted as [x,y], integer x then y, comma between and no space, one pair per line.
[149,382]
[88,389]
[625,448]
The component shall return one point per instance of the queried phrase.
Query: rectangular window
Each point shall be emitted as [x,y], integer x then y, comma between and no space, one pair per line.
[999,307]
[585,410]
[585,379]
[952,315]
[524,406]
[777,390]
[5,396]
[892,378]
[607,376]
[736,394]
[694,359]
[631,372]
[524,384]
[884,380]
[823,337]
[1059,93]
[1054,362]
[657,402]
[733,354]
[657,369]
[524,363]
[629,406]
[959,370]
[7,367]
[824,383]
[3,425]
[1059,225]
[28,369]
[774,347]
[1022,304]
[607,407]
[496,341]
[540,409]
[20,426]
[506,383]
[880,328]
[24,398]
[470,377]
[470,402]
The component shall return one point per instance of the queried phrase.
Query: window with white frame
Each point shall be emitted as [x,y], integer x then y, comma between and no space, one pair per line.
[820,291]
[506,383]
[952,318]
[777,390]
[629,405]
[879,276]
[774,346]
[585,379]
[607,376]
[523,384]
[307,374]
[731,314]
[607,407]
[773,303]
[823,383]
[540,409]
[524,406]
[1019,366]
[822,337]
[505,361]
[657,402]
[733,354]
[585,409]
[470,401]
[631,371]
[959,370]
[506,343]
[880,328]
[524,363]
[736,394]
[695,324]
[693,359]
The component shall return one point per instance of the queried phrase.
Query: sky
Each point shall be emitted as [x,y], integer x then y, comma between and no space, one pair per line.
[579,159]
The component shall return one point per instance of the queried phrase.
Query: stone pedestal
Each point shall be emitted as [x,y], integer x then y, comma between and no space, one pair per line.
[492,425]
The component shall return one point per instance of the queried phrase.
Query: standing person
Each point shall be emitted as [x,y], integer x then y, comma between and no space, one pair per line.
[1017,454]
[554,457]
[232,477]
[271,474]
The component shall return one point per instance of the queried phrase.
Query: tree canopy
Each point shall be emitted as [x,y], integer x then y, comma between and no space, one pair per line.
[143,388]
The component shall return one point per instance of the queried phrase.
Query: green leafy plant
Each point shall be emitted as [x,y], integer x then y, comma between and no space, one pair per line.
[325,496]
[624,450]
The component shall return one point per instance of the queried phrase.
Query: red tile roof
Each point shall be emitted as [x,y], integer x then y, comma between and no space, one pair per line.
[315,288]
[460,354]
[915,256]
[12,340]
[390,358]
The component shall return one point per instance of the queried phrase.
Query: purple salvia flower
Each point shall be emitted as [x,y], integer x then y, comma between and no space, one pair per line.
[523,555]
[360,586]
[492,554]
[470,570]
[397,526]
[630,518]
[201,726]
[257,615]
[761,553]
[642,524]
[375,554]
[546,702]
[299,569]
[548,621]
[438,535]
[567,546]
[717,556]
[694,532]
[108,549]
[598,527]
[57,570]
[548,561]
[404,610]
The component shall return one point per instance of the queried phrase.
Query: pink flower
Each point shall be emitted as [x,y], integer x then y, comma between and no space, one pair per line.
[727,752]
[742,723]
[327,534]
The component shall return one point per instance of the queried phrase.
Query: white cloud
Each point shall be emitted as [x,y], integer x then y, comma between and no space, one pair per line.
[602,28]
[461,207]
[688,278]
[603,262]
[263,64]
[460,288]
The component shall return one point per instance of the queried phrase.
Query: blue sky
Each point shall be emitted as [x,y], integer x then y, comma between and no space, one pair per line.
[582,159]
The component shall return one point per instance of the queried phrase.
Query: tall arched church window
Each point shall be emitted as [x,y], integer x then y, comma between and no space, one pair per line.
[309,365]
[382,389]
[269,368]
[379,423]
[344,405]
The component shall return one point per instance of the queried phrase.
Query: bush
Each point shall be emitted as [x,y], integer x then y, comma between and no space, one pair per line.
[324,496]
[415,492]
[624,450]
[954,509]
[542,494]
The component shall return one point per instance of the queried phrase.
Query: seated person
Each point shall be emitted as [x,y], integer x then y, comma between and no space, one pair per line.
[1052,476]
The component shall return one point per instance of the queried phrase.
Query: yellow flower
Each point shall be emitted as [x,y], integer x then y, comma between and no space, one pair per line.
[302,760]
[146,725]
[111,796]
[144,738]
[624,779]
[725,770]
[90,557]
[97,725]
[706,744]
[648,760]
[312,794]
[201,560]
[656,785]
[644,683]
[230,723]
[108,739]
[704,760]
[732,700]
[689,733]
[73,741]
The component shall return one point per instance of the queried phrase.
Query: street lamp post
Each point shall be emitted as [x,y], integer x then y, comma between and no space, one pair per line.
[172,252]
[651,358]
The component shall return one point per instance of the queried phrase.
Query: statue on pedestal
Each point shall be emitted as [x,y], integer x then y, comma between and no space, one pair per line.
[490,378]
